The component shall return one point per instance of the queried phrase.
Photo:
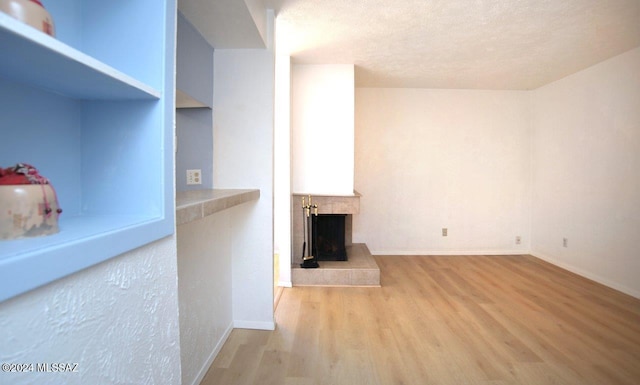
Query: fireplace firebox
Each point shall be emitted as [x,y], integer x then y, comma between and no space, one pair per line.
[328,237]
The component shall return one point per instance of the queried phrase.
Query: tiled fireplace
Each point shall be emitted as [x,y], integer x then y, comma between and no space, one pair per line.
[348,205]
[359,269]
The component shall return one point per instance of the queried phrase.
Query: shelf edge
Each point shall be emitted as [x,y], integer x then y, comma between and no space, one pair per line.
[56,47]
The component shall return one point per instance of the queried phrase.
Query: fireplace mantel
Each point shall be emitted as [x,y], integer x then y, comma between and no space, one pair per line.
[330,204]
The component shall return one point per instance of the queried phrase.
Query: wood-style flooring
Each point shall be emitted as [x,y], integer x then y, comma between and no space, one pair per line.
[444,320]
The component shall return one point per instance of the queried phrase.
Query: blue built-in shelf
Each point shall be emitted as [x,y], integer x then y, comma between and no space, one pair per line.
[93,110]
[34,58]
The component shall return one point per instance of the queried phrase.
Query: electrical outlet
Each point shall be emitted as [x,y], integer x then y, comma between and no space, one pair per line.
[194,176]
[518,240]
[444,231]
[565,242]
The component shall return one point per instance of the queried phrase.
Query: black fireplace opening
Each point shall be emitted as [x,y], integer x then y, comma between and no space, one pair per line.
[328,237]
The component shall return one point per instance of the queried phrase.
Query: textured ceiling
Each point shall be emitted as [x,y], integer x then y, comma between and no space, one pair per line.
[488,44]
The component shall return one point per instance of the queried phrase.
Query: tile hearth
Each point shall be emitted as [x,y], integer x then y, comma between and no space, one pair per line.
[359,270]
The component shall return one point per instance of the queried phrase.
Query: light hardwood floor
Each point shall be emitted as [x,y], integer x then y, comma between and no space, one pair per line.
[444,320]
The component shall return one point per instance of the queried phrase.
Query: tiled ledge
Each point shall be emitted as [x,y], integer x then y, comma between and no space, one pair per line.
[360,269]
[197,204]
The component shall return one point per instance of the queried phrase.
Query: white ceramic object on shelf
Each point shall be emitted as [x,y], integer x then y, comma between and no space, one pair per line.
[30,12]
[23,211]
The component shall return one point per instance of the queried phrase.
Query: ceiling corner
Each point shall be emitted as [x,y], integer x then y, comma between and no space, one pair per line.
[228,24]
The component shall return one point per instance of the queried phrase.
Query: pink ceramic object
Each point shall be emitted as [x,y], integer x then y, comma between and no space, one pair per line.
[30,12]
[28,210]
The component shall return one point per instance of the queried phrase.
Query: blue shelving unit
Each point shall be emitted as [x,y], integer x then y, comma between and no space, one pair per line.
[93,110]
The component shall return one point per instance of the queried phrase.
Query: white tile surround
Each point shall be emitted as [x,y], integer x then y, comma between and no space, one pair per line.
[360,269]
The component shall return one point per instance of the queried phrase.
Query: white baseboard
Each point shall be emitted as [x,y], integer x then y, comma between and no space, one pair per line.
[285,284]
[451,252]
[236,324]
[254,325]
[586,274]
[205,368]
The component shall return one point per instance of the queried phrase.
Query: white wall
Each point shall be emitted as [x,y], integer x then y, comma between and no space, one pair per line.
[432,159]
[587,172]
[322,116]
[205,291]
[282,168]
[243,158]
[118,320]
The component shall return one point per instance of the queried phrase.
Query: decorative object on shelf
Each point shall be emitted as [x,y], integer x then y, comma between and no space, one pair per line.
[28,203]
[30,12]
